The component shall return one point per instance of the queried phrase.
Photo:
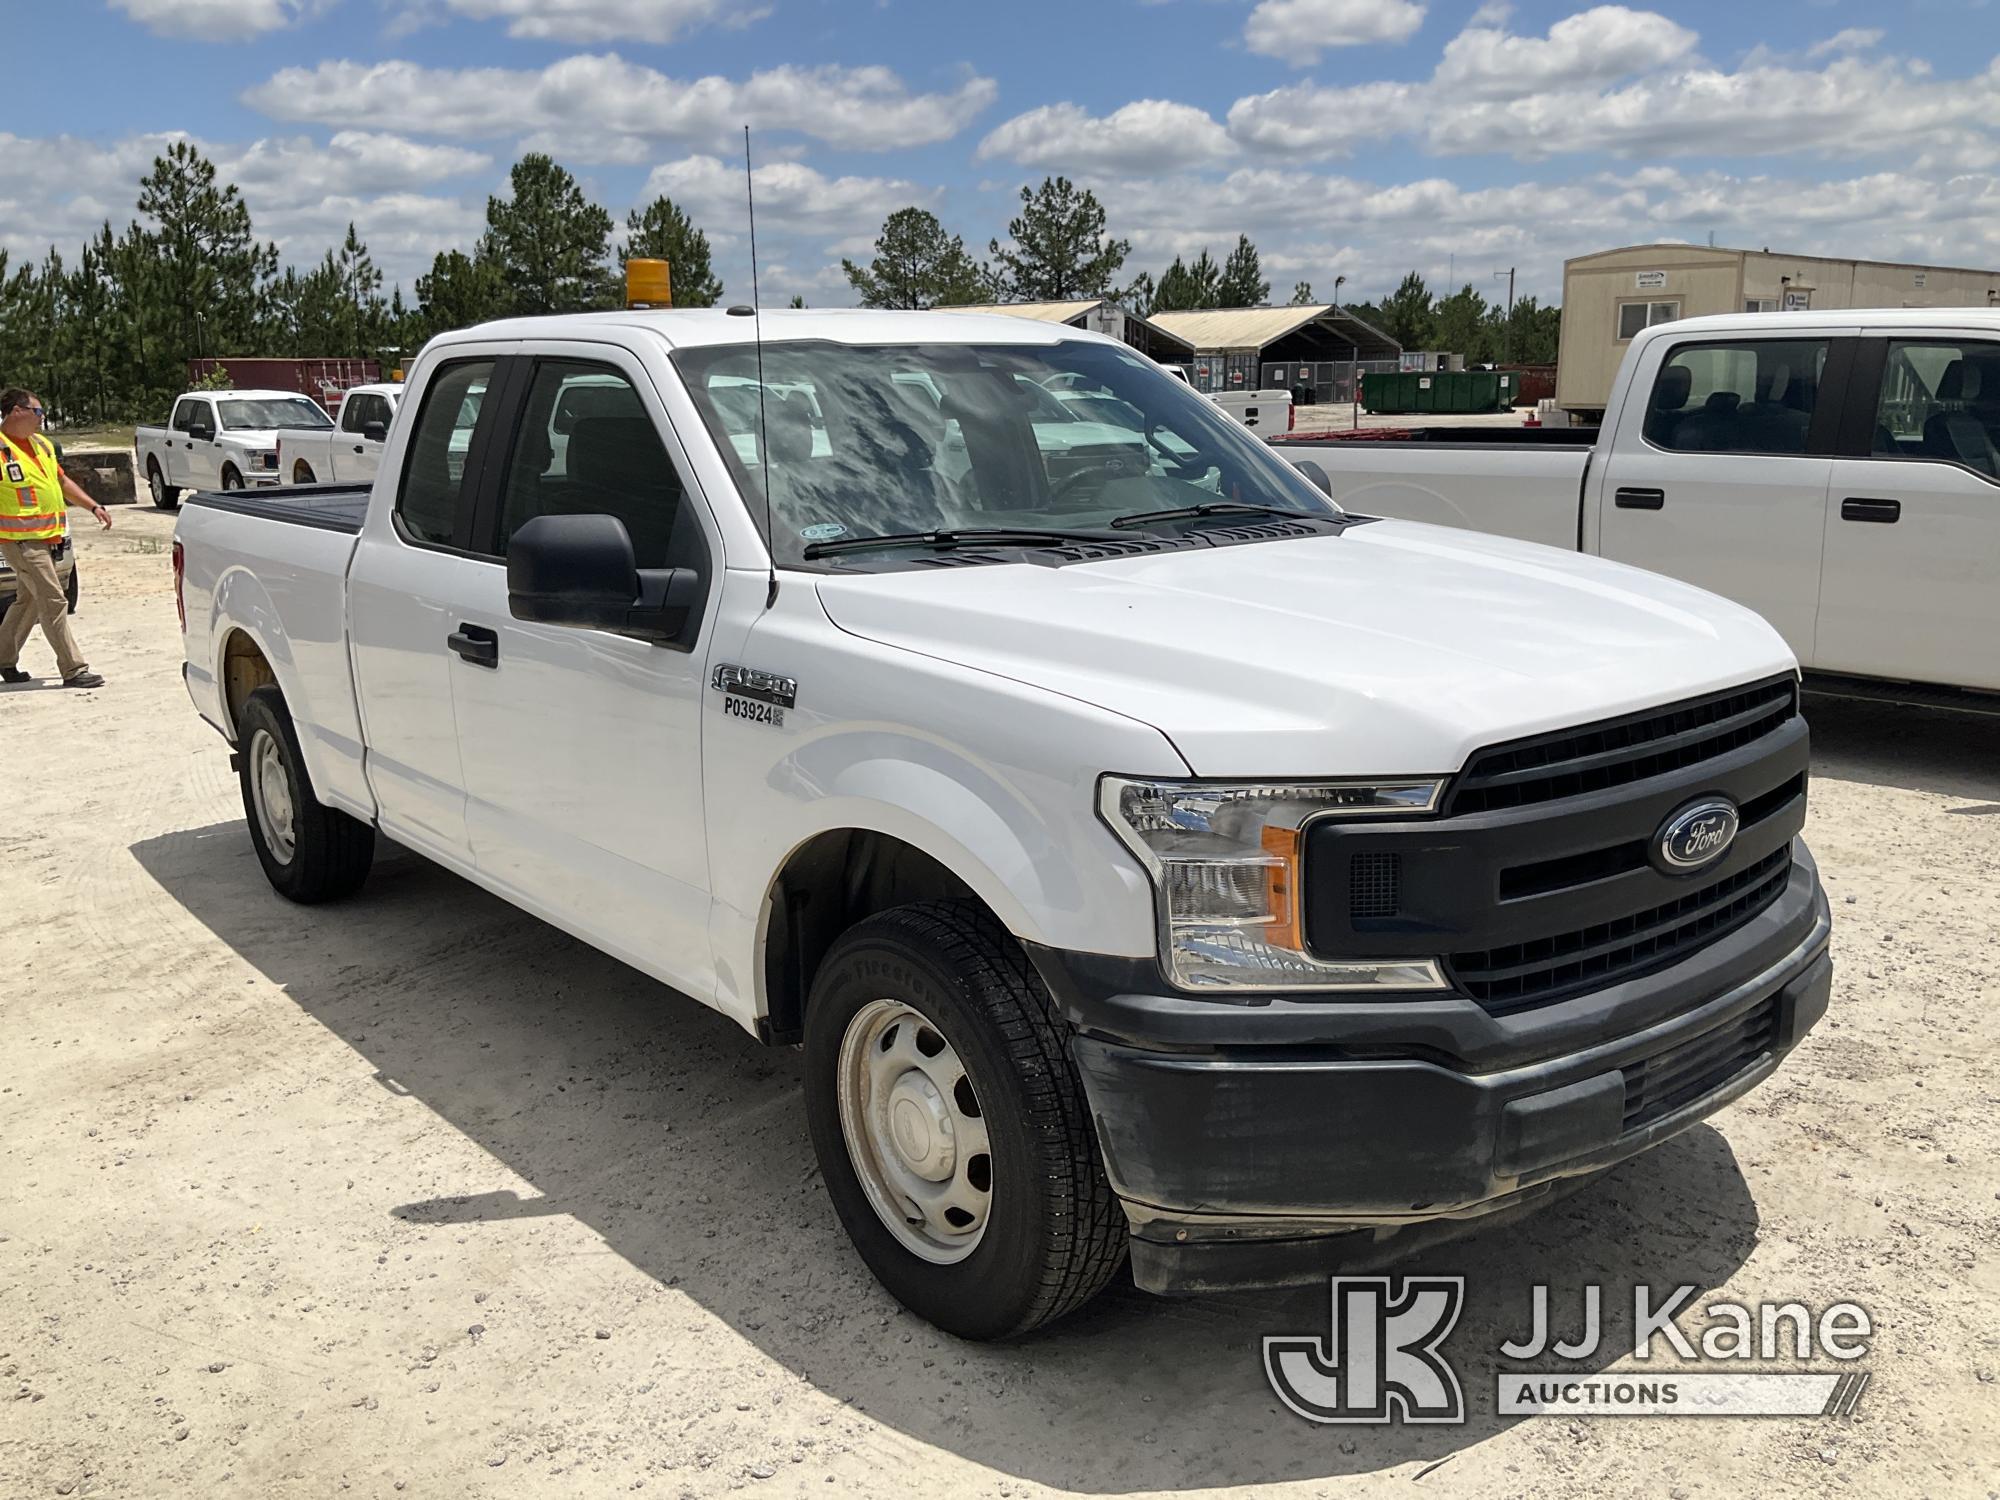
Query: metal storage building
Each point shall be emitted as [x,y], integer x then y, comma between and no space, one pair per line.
[1310,349]
[1611,295]
[1099,315]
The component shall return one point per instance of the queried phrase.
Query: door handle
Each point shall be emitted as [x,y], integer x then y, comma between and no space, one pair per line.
[1886,512]
[1629,499]
[359,449]
[476,644]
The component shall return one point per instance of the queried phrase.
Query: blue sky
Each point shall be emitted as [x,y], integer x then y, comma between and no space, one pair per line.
[1355,137]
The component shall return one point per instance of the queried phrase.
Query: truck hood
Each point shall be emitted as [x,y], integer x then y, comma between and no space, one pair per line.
[1393,648]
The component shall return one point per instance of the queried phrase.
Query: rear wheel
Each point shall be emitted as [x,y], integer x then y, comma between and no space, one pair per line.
[165,496]
[310,852]
[950,1127]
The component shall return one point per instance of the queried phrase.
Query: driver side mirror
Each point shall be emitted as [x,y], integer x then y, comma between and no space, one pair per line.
[201,432]
[1316,476]
[375,432]
[581,571]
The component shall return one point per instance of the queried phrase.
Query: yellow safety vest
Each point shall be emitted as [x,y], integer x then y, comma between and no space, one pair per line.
[32,508]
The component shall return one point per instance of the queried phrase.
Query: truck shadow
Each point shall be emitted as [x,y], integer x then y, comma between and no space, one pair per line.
[1918,749]
[680,1140]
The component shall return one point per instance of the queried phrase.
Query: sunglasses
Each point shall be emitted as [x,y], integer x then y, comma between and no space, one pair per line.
[37,410]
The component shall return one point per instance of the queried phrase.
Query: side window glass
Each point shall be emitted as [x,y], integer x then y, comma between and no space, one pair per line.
[431,494]
[1941,401]
[182,416]
[586,446]
[354,413]
[1753,396]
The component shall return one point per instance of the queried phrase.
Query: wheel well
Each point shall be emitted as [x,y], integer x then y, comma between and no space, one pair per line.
[244,670]
[831,882]
[301,467]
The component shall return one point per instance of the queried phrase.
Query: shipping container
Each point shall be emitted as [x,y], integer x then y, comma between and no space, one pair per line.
[325,380]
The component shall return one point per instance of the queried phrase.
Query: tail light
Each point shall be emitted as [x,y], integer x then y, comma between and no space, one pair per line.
[180,577]
[1292,417]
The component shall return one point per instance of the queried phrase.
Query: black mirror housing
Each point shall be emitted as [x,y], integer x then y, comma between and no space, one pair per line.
[375,432]
[202,433]
[580,571]
[1316,476]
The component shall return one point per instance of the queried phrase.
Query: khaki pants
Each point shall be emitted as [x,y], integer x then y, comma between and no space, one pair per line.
[38,600]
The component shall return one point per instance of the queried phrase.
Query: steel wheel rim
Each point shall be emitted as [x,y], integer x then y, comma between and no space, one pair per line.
[159,485]
[915,1132]
[271,794]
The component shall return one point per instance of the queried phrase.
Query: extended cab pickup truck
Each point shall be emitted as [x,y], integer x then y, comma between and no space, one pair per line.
[220,440]
[1151,857]
[1838,472]
[349,451]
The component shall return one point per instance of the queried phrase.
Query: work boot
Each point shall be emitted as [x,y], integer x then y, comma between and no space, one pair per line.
[15,674]
[84,680]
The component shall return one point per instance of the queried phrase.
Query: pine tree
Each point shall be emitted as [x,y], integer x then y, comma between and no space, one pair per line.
[917,264]
[459,291]
[548,242]
[1406,313]
[1058,250]
[1242,283]
[661,231]
[1302,294]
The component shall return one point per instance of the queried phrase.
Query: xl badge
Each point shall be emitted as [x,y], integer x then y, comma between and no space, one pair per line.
[1696,836]
[759,697]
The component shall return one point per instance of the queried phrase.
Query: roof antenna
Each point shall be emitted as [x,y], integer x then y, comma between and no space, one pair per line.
[757,334]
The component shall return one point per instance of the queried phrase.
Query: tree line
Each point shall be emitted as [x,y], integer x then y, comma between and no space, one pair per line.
[107,336]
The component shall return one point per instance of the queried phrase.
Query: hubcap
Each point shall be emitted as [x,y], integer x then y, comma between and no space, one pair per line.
[915,1131]
[271,792]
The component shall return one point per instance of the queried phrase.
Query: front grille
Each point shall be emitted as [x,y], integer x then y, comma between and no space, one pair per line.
[1617,752]
[1657,1086]
[1548,968]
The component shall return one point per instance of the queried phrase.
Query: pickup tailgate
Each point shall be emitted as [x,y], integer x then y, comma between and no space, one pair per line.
[270,571]
[1532,492]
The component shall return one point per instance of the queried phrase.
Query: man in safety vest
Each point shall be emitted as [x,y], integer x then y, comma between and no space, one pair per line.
[33,493]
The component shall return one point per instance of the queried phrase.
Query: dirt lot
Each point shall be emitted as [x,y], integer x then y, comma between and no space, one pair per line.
[417,1195]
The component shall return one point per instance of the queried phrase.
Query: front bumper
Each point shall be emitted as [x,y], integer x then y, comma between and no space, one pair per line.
[1264,1141]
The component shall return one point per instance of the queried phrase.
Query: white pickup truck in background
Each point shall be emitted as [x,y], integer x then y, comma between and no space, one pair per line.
[220,440]
[1838,472]
[1267,411]
[350,450]
[1154,860]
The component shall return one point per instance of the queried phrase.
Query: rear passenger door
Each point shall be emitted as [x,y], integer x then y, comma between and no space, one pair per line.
[582,747]
[1718,470]
[1912,574]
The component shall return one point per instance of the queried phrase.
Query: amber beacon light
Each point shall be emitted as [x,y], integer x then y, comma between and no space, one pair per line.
[648,283]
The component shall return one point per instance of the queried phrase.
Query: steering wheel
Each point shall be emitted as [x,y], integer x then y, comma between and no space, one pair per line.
[1110,468]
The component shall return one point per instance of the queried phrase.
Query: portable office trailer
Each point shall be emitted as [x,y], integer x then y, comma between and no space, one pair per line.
[1610,296]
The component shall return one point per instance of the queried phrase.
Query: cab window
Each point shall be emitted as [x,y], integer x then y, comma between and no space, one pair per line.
[1940,401]
[432,498]
[1747,396]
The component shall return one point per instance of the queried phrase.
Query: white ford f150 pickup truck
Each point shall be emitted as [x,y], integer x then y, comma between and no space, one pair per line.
[1838,472]
[220,440]
[349,451]
[1151,857]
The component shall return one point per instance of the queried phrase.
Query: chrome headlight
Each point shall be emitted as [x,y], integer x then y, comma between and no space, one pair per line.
[1225,861]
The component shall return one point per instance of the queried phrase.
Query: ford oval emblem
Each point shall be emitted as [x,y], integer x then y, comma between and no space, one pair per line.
[1696,836]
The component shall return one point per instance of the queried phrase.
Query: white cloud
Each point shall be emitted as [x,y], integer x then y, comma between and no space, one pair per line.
[791,198]
[1299,30]
[1148,135]
[605,101]
[212,20]
[586,21]
[1593,47]
[1853,39]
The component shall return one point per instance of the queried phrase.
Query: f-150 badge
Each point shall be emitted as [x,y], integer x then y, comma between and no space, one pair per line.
[755,696]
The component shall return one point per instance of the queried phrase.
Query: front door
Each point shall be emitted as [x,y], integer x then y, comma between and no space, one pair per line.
[1718,473]
[191,461]
[1912,575]
[356,455]
[581,747]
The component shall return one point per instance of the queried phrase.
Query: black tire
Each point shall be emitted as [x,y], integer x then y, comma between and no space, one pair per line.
[231,480]
[165,496]
[1054,1235]
[302,473]
[331,852]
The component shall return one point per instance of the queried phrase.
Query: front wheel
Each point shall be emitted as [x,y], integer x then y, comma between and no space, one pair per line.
[310,852]
[302,473]
[231,480]
[951,1129]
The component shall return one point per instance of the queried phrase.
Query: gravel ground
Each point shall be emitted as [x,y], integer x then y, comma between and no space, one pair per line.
[415,1194]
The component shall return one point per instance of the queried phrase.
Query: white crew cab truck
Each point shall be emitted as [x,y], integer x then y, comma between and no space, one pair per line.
[349,451]
[1151,857]
[1838,472]
[220,440]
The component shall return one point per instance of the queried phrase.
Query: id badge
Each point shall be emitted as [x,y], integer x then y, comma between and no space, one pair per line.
[15,473]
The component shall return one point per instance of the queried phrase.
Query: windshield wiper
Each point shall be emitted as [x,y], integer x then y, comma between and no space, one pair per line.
[988,536]
[1214,508]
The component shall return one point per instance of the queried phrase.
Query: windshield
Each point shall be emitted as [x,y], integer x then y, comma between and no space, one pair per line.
[261,415]
[874,440]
